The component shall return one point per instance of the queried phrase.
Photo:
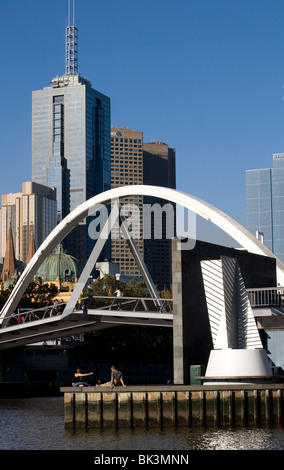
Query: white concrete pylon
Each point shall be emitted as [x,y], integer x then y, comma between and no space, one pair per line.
[230,315]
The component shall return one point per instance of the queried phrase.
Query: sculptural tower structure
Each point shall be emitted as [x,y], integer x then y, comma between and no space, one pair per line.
[238,353]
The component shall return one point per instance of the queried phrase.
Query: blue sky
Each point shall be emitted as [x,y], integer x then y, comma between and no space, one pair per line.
[204,76]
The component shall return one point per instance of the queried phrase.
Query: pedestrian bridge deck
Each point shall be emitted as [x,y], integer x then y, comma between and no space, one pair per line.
[100,312]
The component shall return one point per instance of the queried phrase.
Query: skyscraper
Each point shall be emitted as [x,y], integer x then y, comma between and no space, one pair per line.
[265,205]
[136,162]
[159,169]
[29,214]
[127,169]
[71,142]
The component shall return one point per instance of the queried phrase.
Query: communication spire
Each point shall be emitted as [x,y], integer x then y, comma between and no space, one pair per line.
[71,42]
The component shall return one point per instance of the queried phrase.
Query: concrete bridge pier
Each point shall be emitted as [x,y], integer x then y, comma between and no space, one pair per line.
[192,336]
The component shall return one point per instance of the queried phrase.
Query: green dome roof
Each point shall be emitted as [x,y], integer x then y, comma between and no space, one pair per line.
[11,281]
[60,265]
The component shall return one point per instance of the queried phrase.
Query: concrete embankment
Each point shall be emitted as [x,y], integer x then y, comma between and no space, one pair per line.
[173,405]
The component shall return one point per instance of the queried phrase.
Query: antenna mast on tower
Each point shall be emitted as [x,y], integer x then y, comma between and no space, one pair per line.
[71,42]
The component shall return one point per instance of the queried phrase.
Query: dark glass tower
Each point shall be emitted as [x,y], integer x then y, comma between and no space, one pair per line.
[159,169]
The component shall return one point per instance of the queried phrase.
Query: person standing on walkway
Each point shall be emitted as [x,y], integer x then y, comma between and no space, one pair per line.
[118,295]
[54,310]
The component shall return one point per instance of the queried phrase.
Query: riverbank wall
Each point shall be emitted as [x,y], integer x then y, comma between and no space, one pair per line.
[173,405]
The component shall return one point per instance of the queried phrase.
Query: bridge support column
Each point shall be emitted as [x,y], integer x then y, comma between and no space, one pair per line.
[191,334]
[178,337]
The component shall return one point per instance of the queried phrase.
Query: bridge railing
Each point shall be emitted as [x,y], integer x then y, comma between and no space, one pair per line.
[266,297]
[28,315]
[131,304]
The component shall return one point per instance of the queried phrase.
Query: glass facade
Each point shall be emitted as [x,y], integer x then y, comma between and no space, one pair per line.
[71,147]
[265,204]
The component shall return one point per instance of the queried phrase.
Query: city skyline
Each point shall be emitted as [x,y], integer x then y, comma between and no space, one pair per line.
[205,78]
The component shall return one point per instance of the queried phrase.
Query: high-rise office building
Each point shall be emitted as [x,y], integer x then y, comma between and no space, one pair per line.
[265,205]
[71,142]
[135,162]
[127,169]
[159,170]
[159,164]
[28,214]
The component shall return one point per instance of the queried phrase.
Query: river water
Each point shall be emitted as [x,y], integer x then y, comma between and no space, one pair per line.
[38,424]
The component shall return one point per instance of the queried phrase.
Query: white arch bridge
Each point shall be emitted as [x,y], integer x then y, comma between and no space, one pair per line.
[152,312]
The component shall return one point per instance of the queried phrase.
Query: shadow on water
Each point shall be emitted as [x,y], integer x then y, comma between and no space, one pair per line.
[38,424]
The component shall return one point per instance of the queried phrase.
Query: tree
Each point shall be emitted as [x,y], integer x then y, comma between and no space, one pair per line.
[4,294]
[38,294]
[102,286]
[107,286]
[135,289]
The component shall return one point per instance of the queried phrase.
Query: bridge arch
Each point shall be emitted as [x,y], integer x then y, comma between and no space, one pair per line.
[194,204]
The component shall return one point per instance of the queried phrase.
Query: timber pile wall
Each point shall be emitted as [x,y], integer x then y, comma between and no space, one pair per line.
[191,406]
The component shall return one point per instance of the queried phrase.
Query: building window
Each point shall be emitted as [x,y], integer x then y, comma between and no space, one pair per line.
[58,99]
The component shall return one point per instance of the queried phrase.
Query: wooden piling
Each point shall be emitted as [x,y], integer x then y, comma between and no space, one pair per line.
[174,405]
